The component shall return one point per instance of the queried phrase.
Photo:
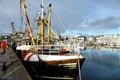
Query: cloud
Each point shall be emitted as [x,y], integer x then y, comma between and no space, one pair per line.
[1,1]
[104,25]
[9,10]
[113,4]
[108,23]
[85,16]
[79,16]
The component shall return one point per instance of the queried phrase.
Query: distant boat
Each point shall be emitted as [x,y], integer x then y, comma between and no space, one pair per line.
[46,60]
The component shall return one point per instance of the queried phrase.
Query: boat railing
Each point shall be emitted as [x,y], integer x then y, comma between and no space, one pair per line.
[52,49]
[49,46]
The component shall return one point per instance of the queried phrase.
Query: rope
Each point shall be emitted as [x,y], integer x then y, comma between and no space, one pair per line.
[64,27]
[21,18]
[79,69]
[57,36]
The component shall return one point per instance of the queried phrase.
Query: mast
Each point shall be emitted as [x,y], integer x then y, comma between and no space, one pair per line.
[49,22]
[42,25]
[28,23]
[13,29]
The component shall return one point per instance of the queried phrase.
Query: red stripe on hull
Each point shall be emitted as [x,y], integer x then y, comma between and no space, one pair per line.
[29,57]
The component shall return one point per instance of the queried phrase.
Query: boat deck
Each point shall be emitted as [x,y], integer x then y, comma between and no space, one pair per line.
[13,68]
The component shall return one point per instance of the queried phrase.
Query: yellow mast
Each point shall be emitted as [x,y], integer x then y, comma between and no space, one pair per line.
[42,23]
[42,26]
[38,34]
[28,23]
[49,22]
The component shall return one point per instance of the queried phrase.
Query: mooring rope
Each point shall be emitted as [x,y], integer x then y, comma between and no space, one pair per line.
[79,69]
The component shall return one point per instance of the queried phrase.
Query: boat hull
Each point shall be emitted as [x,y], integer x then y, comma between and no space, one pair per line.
[63,69]
[49,67]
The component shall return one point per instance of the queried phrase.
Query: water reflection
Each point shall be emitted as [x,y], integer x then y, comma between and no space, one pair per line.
[101,64]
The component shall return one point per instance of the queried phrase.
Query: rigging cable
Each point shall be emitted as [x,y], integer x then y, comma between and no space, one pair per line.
[57,37]
[63,26]
[21,18]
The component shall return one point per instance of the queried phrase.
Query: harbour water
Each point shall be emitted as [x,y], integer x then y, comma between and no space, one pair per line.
[101,64]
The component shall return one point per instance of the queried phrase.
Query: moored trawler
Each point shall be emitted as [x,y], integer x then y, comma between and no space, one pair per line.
[46,60]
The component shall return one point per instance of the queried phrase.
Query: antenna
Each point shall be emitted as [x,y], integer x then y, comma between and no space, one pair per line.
[42,6]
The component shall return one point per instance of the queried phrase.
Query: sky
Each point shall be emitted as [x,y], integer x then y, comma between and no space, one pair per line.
[78,17]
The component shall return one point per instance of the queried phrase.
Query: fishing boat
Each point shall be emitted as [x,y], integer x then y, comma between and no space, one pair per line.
[47,60]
